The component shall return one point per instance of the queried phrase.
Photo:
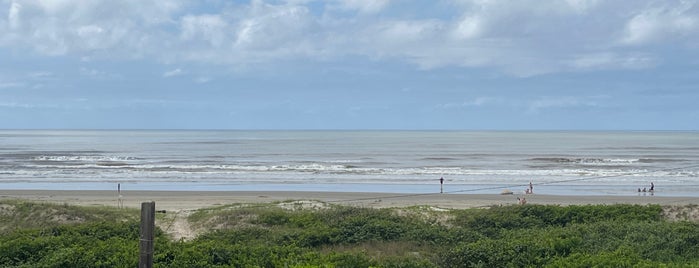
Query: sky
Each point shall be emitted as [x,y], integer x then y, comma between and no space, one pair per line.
[350,64]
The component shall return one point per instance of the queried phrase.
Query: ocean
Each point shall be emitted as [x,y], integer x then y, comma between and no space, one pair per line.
[555,162]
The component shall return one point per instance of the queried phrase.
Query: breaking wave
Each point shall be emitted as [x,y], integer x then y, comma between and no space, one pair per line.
[598,161]
[83,158]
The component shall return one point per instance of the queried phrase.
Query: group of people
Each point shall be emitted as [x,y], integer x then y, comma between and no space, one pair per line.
[521,200]
[529,190]
[651,190]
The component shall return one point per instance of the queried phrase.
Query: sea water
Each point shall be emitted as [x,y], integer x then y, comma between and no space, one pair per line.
[555,162]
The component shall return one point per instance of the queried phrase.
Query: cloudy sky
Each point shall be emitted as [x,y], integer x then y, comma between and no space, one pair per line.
[350,64]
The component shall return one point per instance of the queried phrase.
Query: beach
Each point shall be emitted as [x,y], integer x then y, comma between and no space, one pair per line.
[192,200]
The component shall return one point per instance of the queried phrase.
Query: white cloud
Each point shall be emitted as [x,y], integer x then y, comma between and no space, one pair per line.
[480,101]
[594,60]
[659,23]
[13,15]
[468,27]
[529,105]
[523,38]
[363,6]
[208,28]
[16,105]
[40,74]
[71,27]
[477,102]
[11,85]
[175,72]
[607,60]
[202,80]
[258,33]
[95,73]
[582,5]
[13,80]
[565,102]
[270,27]
[401,33]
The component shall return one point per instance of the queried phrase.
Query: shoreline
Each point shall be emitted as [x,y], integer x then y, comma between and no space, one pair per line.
[192,200]
[545,188]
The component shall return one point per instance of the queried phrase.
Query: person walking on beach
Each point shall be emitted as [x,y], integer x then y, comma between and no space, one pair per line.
[652,186]
[441,185]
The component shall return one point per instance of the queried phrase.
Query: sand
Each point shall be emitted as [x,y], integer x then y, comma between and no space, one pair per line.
[190,200]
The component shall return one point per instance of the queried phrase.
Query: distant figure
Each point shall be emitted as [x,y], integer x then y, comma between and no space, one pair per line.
[521,201]
[644,189]
[530,190]
[441,185]
[652,187]
[639,190]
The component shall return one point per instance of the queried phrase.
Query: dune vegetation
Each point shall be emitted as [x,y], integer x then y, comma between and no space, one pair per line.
[315,234]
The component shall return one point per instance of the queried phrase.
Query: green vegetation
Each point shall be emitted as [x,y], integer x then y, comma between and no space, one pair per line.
[273,235]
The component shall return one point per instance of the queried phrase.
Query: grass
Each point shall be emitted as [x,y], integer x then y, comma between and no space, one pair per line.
[17,213]
[316,234]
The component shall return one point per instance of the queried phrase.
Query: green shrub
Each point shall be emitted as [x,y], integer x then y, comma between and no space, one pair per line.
[267,236]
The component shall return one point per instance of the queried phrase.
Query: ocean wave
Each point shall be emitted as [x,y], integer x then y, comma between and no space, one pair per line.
[439,159]
[82,158]
[324,173]
[347,170]
[602,161]
[648,148]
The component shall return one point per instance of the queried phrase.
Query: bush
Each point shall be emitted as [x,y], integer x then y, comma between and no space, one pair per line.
[511,236]
[86,245]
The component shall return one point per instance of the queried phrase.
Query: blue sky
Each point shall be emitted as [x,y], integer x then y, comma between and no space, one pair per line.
[350,64]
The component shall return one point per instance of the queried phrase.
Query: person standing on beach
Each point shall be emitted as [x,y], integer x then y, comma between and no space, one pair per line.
[441,185]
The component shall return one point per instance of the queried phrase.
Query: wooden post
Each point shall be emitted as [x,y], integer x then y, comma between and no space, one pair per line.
[145,259]
[120,200]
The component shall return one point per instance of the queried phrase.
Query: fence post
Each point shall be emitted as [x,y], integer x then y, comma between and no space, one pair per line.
[145,259]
